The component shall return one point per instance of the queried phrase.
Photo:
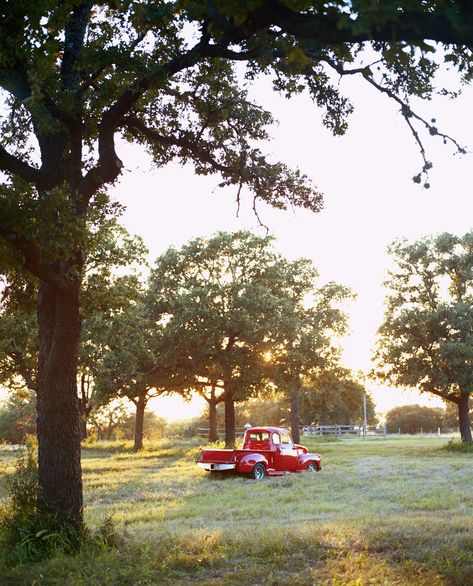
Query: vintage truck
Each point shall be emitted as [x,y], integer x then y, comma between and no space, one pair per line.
[267,451]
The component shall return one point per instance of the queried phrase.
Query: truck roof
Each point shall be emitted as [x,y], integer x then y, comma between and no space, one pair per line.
[270,429]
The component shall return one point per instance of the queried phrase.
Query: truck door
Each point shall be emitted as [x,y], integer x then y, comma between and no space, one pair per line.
[287,455]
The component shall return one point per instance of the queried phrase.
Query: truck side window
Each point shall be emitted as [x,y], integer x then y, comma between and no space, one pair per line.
[275,438]
[285,438]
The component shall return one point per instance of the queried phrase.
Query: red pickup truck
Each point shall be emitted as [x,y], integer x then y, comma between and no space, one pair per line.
[266,451]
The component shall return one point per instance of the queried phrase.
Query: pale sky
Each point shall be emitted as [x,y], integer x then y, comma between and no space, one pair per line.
[370,200]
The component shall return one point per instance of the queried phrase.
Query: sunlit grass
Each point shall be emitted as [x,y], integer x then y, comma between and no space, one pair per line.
[381,511]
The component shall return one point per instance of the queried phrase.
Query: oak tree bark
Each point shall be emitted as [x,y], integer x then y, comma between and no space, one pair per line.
[213,427]
[139,423]
[464,417]
[229,402]
[58,420]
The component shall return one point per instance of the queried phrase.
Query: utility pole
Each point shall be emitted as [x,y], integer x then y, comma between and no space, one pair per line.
[364,414]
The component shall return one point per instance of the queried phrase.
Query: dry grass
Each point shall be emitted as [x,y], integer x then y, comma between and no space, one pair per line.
[382,511]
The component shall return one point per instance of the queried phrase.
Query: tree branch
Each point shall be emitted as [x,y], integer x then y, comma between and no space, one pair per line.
[109,165]
[444,395]
[17,357]
[32,257]
[11,164]
[108,60]
[415,25]
[73,42]
[136,126]
[406,111]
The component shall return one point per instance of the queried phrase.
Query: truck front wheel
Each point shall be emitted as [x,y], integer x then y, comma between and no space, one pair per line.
[258,472]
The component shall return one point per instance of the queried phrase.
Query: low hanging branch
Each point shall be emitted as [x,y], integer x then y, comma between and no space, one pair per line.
[407,113]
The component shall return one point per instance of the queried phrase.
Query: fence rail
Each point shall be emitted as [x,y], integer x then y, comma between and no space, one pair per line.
[337,430]
[343,430]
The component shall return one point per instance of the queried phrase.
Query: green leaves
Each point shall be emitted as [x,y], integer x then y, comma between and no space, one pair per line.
[231,299]
[426,338]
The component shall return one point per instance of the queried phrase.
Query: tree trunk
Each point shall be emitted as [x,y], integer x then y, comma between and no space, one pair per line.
[84,407]
[83,427]
[60,474]
[295,417]
[139,421]
[464,417]
[229,419]
[213,428]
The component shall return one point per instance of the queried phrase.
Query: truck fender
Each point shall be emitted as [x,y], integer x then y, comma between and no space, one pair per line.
[305,459]
[248,462]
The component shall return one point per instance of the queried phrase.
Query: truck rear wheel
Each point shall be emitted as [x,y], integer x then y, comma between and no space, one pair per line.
[258,472]
[312,467]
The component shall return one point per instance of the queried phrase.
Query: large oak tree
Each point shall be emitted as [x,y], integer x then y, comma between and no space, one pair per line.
[426,338]
[223,299]
[78,76]
[304,338]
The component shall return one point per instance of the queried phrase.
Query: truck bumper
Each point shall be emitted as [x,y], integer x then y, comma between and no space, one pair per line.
[212,466]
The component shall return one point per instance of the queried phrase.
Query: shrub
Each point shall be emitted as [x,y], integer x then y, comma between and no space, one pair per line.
[458,446]
[414,419]
[28,532]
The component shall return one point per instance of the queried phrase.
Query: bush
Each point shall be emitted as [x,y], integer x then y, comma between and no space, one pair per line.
[414,419]
[17,418]
[28,533]
[459,447]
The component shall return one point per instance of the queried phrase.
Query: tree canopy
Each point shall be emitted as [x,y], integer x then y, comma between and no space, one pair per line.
[223,299]
[426,339]
[414,419]
[334,396]
[305,340]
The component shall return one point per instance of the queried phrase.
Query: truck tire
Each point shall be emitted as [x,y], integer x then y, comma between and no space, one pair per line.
[259,471]
[312,467]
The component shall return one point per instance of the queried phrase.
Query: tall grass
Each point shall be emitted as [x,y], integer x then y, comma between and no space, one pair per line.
[381,511]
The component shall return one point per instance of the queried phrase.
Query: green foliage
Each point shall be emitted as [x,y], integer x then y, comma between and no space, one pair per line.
[18,337]
[334,396]
[17,417]
[105,292]
[29,533]
[271,409]
[304,342]
[426,338]
[414,419]
[458,447]
[220,299]
[153,427]
[106,420]
[164,75]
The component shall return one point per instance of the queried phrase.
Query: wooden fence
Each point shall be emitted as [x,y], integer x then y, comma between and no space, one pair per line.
[343,430]
[334,430]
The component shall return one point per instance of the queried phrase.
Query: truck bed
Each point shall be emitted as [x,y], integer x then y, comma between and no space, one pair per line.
[224,456]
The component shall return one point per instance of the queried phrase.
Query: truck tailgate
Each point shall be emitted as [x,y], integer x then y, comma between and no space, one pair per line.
[217,455]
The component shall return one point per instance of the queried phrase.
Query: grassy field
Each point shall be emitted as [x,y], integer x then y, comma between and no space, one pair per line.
[382,511]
